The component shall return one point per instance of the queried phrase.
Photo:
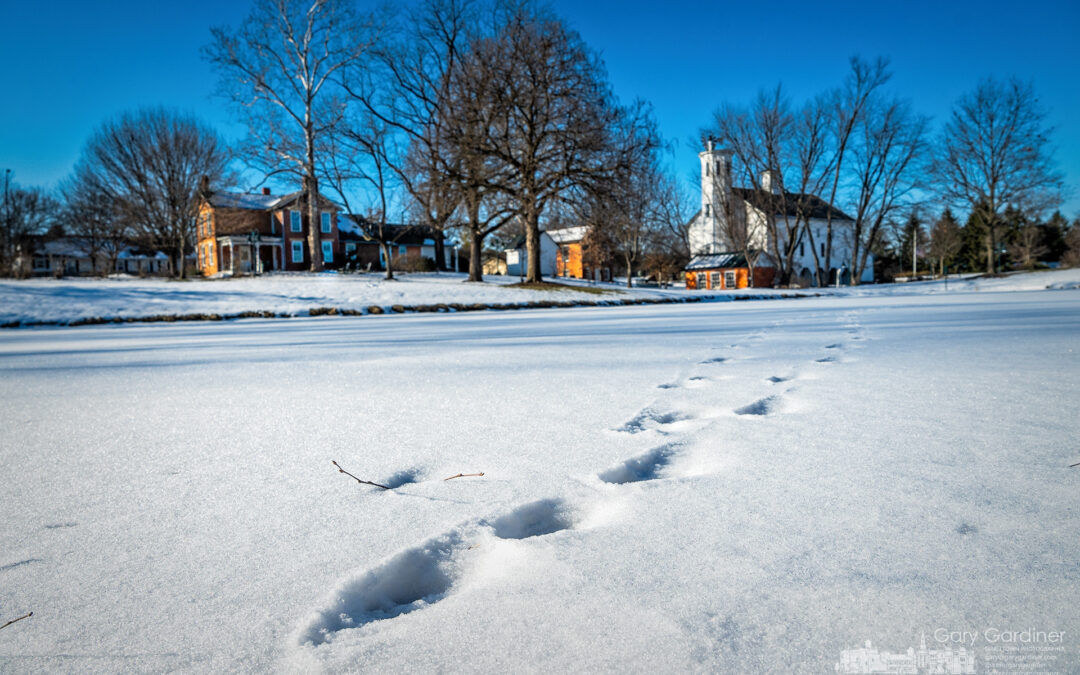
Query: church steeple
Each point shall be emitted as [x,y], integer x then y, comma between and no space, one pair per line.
[715,194]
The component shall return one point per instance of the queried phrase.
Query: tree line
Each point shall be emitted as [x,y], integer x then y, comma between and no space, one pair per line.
[493,119]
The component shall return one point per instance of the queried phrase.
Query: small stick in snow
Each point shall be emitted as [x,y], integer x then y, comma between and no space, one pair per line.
[464,475]
[24,616]
[1072,465]
[365,482]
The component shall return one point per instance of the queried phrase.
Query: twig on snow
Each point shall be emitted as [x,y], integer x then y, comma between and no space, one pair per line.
[1072,465]
[24,616]
[464,475]
[365,482]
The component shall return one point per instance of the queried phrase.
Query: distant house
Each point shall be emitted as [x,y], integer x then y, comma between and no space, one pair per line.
[725,271]
[570,259]
[409,245]
[726,209]
[517,258]
[71,257]
[241,233]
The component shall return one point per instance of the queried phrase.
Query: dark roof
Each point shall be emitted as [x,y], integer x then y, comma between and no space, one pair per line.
[790,204]
[357,228]
[715,261]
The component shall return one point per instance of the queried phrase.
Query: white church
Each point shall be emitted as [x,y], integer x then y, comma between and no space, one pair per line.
[731,216]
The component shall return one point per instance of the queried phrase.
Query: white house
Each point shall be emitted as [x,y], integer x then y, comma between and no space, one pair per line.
[517,258]
[727,210]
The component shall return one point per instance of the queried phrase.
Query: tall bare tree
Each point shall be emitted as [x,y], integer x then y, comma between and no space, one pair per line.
[760,139]
[91,215]
[995,152]
[282,69]
[887,167]
[25,212]
[625,202]
[946,240]
[148,165]
[550,114]
[850,104]
[408,86]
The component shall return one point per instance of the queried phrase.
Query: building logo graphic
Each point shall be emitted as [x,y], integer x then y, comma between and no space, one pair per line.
[921,661]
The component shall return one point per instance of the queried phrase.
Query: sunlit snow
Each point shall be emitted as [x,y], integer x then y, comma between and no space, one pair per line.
[727,487]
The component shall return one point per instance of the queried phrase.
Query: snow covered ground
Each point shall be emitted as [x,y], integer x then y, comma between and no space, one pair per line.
[737,487]
[71,299]
[67,300]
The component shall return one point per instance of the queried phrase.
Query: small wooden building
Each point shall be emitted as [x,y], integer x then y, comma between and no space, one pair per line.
[570,256]
[726,271]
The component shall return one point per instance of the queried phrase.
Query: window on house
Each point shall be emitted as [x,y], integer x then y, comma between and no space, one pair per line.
[714,280]
[350,248]
[202,258]
[729,279]
[403,249]
[298,251]
[328,251]
[294,221]
[325,222]
[822,249]
[802,249]
[707,210]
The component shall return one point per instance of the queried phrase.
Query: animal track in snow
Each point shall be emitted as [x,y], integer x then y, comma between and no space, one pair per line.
[715,359]
[776,379]
[650,418]
[546,516]
[825,359]
[644,467]
[760,407]
[833,346]
[413,579]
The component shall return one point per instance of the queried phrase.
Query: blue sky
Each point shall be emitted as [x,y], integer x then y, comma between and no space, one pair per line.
[71,65]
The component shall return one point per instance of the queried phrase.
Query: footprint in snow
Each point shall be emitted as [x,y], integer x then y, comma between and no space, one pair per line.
[411,580]
[546,516]
[763,406]
[650,418]
[646,466]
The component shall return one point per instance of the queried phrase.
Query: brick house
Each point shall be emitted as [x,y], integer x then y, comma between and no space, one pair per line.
[240,233]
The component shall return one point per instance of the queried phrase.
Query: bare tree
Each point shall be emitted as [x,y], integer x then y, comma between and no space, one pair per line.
[26,212]
[946,240]
[148,166]
[1071,256]
[850,103]
[759,138]
[549,114]
[624,204]
[886,169]
[281,68]
[91,215]
[1025,240]
[995,152]
[408,87]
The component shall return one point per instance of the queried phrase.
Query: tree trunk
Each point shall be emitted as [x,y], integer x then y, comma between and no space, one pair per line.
[476,263]
[311,193]
[389,261]
[629,272]
[532,248]
[440,251]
